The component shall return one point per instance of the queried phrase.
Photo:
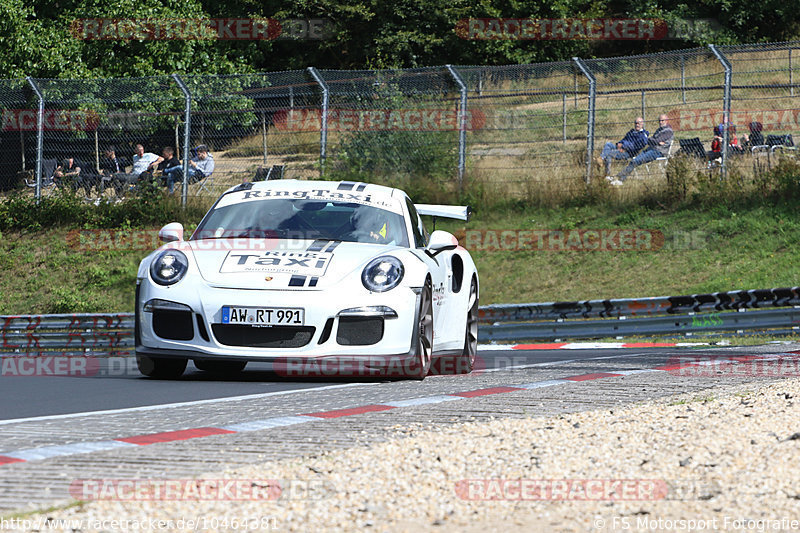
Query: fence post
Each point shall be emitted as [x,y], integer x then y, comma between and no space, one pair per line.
[726,104]
[264,135]
[643,105]
[683,78]
[323,135]
[791,75]
[590,119]
[39,137]
[462,125]
[187,97]
[563,117]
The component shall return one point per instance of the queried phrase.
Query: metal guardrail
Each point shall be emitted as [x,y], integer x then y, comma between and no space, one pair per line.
[67,334]
[776,310]
[757,309]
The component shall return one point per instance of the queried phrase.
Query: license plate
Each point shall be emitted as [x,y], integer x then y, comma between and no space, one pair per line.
[263,316]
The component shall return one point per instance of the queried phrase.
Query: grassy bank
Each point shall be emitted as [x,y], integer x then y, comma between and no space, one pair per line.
[704,250]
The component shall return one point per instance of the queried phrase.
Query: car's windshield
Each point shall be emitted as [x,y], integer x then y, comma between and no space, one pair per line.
[282,218]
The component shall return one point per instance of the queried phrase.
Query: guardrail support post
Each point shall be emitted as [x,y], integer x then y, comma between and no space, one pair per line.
[462,125]
[590,119]
[726,104]
[323,135]
[187,152]
[39,136]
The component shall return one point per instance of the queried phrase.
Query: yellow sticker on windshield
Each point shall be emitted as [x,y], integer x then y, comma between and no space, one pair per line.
[382,232]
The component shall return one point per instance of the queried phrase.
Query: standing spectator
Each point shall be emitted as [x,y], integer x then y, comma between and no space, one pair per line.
[201,166]
[657,146]
[628,147]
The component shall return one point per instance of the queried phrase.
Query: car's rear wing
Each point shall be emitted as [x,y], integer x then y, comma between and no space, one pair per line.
[460,212]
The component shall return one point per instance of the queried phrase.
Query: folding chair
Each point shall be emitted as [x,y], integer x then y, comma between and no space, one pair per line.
[659,162]
[205,183]
[48,169]
[692,147]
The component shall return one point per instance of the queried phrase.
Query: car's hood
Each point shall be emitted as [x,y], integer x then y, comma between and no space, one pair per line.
[280,264]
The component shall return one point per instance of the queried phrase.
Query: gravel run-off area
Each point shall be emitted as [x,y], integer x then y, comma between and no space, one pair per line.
[724,461]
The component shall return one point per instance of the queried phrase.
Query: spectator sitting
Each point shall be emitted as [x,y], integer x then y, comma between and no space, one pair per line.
[657,146]
[201,166]
[628,147]
[716,142]
[111,164]
[144,163]
[756,138]
[112,168]
[68,173]
[168,159]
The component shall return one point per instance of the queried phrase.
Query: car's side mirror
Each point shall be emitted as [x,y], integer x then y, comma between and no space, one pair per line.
[171,232]
[441,241]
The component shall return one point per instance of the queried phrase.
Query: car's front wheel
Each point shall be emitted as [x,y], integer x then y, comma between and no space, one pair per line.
[423,335]
[160,367]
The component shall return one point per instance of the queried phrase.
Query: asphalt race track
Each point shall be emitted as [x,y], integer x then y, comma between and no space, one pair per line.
[120,386]
[54,430]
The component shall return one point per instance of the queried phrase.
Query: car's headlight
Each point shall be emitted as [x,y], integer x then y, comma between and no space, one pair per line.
[169,267]
[382,274]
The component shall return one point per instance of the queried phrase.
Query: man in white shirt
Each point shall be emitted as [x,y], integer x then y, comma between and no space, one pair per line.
[144,161]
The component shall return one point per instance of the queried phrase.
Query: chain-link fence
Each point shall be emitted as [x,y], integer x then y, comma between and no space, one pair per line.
[526,130]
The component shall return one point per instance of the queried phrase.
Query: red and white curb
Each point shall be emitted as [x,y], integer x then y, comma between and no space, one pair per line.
[589,345]
[49,452]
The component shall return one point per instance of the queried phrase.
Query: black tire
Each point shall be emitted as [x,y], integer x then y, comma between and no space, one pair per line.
[467,360]
[220,367]
[160,367]
[423,335]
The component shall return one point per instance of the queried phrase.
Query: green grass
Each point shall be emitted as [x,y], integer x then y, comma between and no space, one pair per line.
[728,249]
[741,248]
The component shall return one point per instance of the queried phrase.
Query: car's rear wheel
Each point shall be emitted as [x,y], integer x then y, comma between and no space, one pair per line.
[220,367]
[423,335]
[467,360]
[160,367]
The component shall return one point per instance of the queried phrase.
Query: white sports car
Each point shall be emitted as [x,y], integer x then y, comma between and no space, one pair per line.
[317,278]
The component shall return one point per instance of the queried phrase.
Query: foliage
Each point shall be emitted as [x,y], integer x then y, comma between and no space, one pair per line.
[36,38]
[65,209]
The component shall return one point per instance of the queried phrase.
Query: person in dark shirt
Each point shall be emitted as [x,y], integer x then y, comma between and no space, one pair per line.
[167,160]
[627,147]
[113,170]
[657,146]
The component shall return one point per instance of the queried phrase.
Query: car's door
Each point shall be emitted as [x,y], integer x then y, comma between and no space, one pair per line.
[439,269]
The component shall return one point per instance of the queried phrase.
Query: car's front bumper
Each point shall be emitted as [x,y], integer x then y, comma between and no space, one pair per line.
[322,308]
